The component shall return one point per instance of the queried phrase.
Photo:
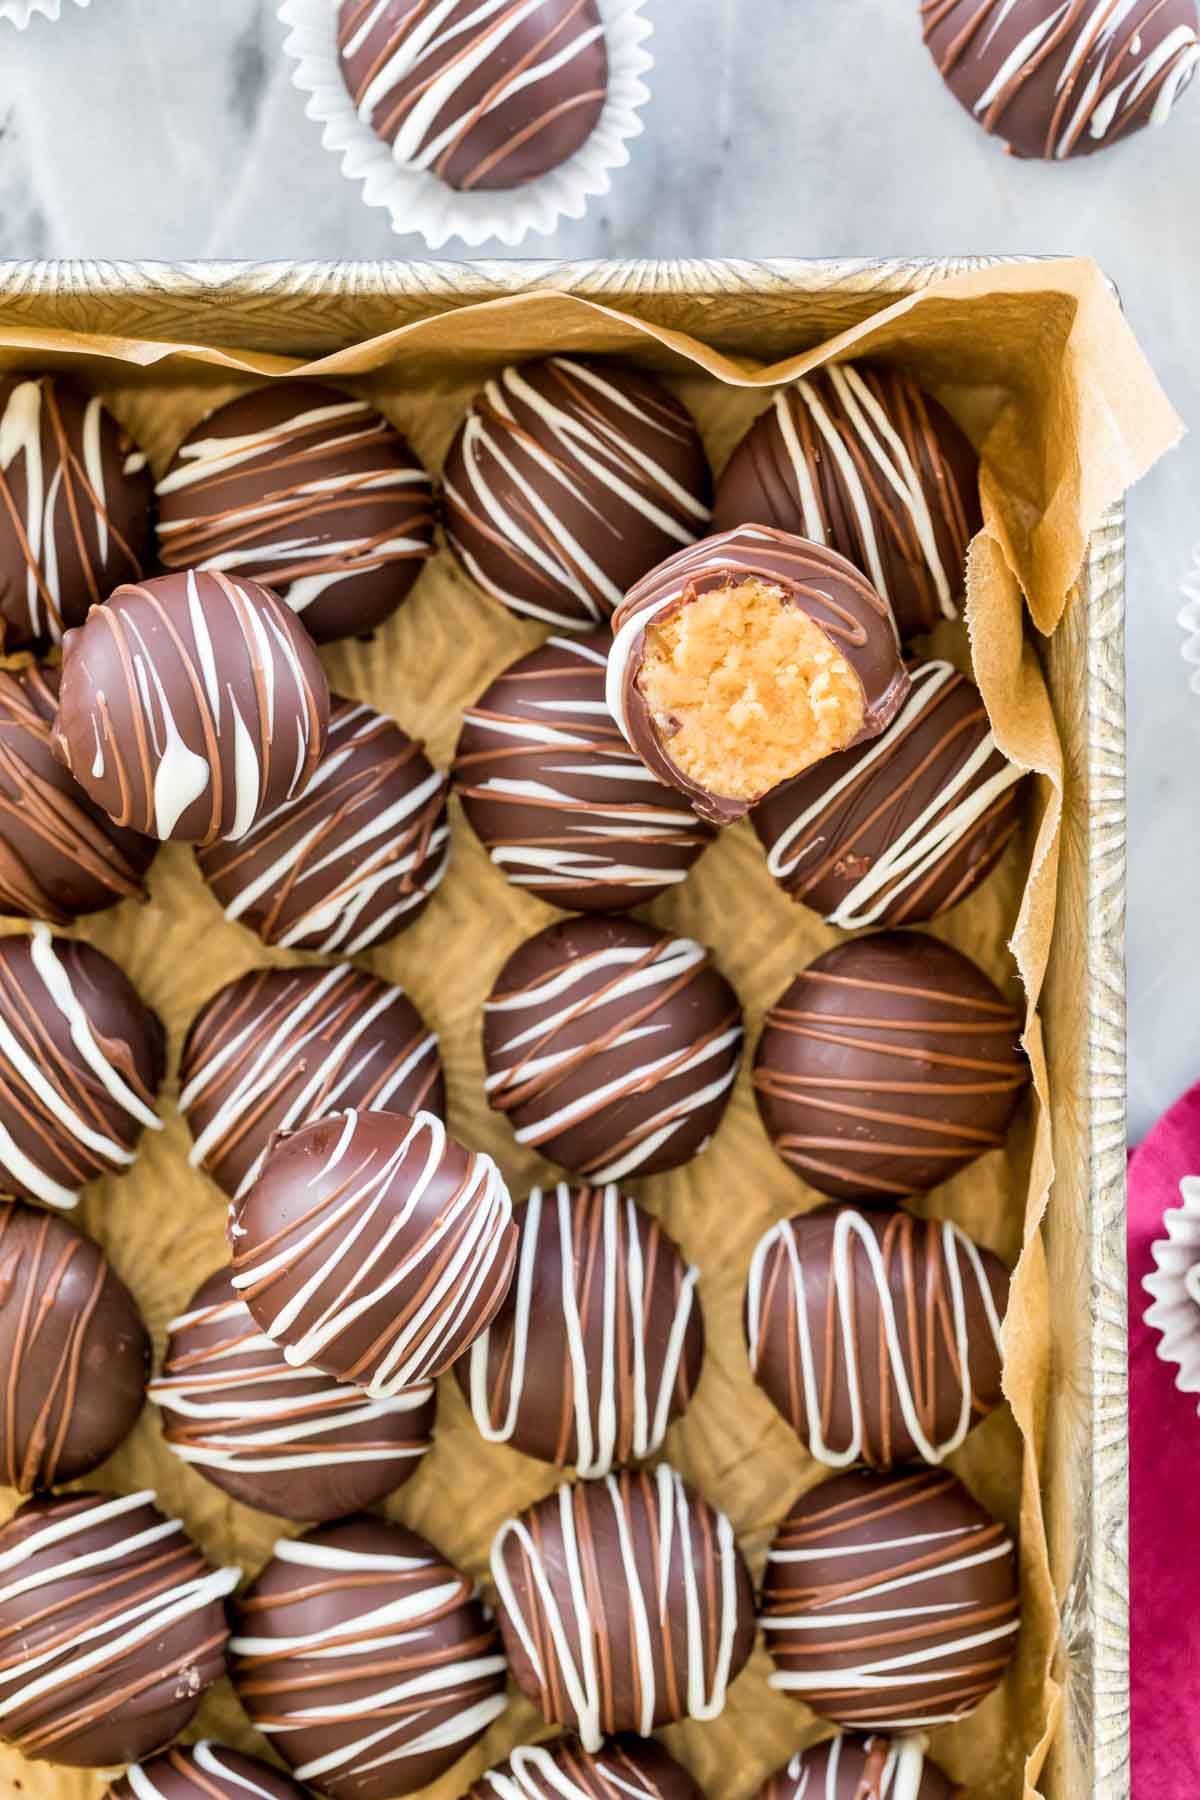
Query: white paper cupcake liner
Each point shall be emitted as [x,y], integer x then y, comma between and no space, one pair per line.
[19,12]
[1188,618]
[418,201]
[1175,1288]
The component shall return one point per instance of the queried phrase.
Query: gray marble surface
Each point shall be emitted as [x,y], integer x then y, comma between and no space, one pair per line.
[170,128]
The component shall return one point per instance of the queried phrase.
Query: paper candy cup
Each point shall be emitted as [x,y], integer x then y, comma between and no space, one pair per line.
[1175,1287]
[19,12]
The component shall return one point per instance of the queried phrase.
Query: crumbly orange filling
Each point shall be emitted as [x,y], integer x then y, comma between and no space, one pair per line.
[745,691]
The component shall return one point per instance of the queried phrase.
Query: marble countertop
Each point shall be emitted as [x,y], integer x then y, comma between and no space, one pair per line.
[170,129]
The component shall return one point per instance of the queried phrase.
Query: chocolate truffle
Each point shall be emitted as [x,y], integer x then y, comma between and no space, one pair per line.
[112,1625]
[1056,80]
[307,490]
[353,860]
[561,804]
[75,499]
[627,1768]
[888,1065]
[599,1343]
[277,1047]
[366,1660]
[569,479]
[611,1047]
[60,856]
[624,1604]
[861,1768]
[375,1247]
[207,1771]
[876,1335]
[73,1351]
[890,1601]
[746,659]
[480,96]
[856,456]
[901,829]
[288,1440]
[81,1061]
[191,705]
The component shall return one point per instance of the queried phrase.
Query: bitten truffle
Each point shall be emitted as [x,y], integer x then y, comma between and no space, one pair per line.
[60,855]
[1056,80]
[599,1344]
[611,1047]
[862,1768]
[73,1349]
[206,1771]
[747,658]
[480,96]
[568,479]
[81,1062]
[112,1626]
[354,859]
[560,802]
[627,1768]
[888,1065]
[276,1047]
[191,705]
[890,1601]
[375,1247]
[877,1335]
[309,491]
[75,499]
[287,1440]
[858,457]
[365,1659]
[624,1604]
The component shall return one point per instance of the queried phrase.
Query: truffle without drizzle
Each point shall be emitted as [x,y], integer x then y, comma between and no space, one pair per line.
[191,705]
[74,1354]
[206,1771]
[627,1768]
[480,96]
[858,457]
[309,491]
[747,658]
[375,1247]
[81,1061]
[568,479]
[624,1604]
[75,499]
[861,1768]
[888,1065]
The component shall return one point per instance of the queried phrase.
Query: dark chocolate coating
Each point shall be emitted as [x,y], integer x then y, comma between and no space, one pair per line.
[437,1672]
[861,1768]
[61,856]
[75,508]
[857,456]
[308,490]
[478,137]
[888,1065]
[818,582]
[191,705]
[645,1547]
[353,860]
[899,830]
[67,1116]
[627,1768]
[568,479]
[1055,79]
[919,1306]
[561,803]
[387,1245]
[277,1047]
[74,1354]
[553,1027]
[917,1548]
[288,1441]
[67,1602]
[207,1771]
[599,1344]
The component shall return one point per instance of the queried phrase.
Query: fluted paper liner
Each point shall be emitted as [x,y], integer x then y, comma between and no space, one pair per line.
[1039,365]
[21,12]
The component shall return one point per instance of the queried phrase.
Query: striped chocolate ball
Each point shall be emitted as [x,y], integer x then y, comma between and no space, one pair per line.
[626,1768]
[862,1768]
[205,1771]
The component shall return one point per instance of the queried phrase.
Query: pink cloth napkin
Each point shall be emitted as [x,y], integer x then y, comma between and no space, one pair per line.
[1164,1479]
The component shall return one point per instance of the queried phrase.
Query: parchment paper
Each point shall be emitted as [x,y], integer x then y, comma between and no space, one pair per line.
[1040,367]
